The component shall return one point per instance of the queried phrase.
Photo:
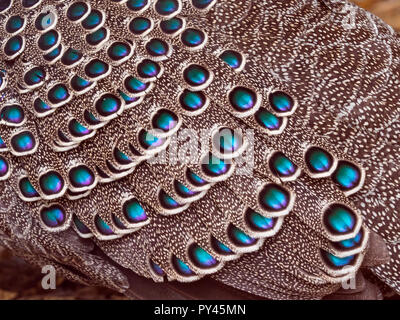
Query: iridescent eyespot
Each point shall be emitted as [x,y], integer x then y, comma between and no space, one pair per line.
[27,190]
[14,46]
[148,69]
[119,51]
[215,167]
[13,115]
[133,211]
[227,141]
[140,25]
[339,219]
[156,269]
[23,142]
[93,21]
[192,101]
[35,77]
[200,257]
[77,11]
[45,20]
[53,55]
[107,105]
[96,69]
[79,84]
[15,24]
[40,106]
[81,177]
[281,102]
[274,198]
[4,168]
[71,57]
[319,161]
[197,76]
[98,37]
[30,4]
[239,237]
[137,5]
[243,99]
[49,40]
[167,201]
[172,26]
[53,216]
[51,183]
[157,48]
[102,226]
[181,268]
[164,120]
[77,129]
[258,222]
[167,8]
[233,58]
[203,4]
[58,94]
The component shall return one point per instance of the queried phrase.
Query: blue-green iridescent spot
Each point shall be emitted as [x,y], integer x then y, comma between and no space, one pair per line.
[13,114]
[51,183]
[77,10]
[339,219]
[136,5]
[281,165]
[215,167]
[318,160]
[166,7]
[81,176]
[48,40]
[14,24]
[196,75]
[96,37]
[192,37]
[167,201]
[257,222]
[156,268]
[108,104]
[240,238]
[80,225]
[13,45]
[92,20]
[194,179]
[139,25]
[102,226]
[181,267]
[219,247]
[347,176]
[27,189]
[242,99]
[201,257]
[172,25]
[118,51]
[192,101]
[274,198]
[53,216]
[232,58]
[58,93]
[337,262]
[165,120]
[23,141]
[133,211]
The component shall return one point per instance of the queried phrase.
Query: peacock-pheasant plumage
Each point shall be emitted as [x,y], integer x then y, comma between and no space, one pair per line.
[250,143]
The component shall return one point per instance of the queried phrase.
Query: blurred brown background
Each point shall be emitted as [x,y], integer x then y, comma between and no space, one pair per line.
[20,281]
